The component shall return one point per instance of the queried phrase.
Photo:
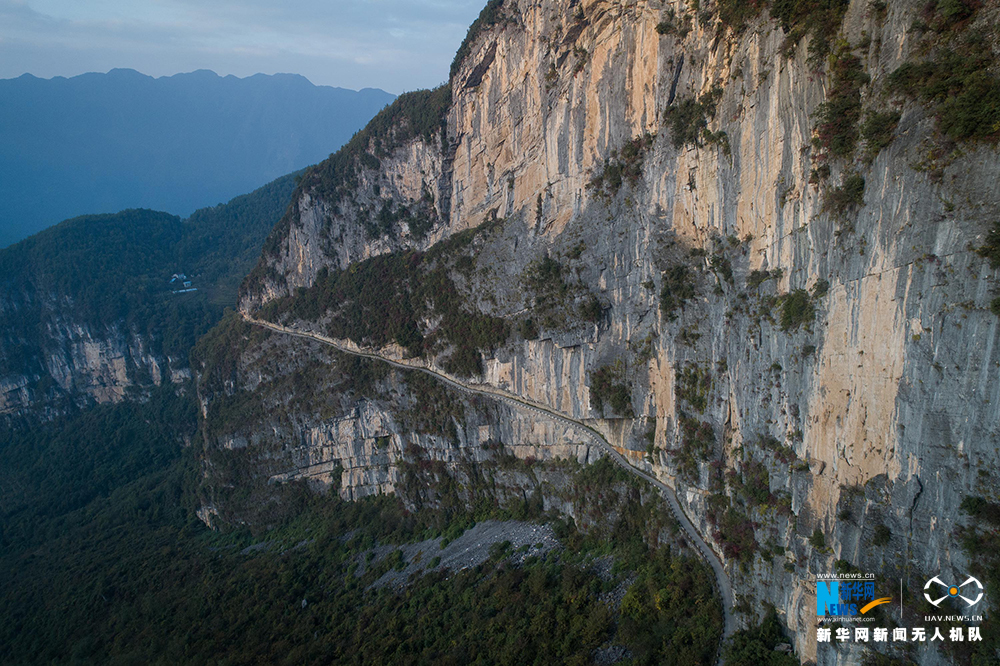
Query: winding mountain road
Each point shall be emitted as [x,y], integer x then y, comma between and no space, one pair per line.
[707,554]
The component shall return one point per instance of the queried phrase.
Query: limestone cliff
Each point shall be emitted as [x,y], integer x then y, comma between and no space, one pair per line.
[743,246]
[77,364]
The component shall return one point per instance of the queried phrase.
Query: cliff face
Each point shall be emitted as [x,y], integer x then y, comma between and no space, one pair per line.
[325,235]
[802,331]
[82,364]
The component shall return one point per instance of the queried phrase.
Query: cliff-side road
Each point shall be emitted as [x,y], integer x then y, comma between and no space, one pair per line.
[707,554]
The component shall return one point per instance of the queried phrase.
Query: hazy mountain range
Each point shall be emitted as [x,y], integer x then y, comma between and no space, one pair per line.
[99,143]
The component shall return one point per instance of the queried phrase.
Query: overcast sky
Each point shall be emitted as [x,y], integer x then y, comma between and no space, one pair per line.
[396,45]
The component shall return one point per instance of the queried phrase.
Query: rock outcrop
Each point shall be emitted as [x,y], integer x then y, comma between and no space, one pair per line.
[794,309]
[85,366]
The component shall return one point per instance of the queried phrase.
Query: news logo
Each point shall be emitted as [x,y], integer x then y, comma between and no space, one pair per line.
[846,598]
[953,591]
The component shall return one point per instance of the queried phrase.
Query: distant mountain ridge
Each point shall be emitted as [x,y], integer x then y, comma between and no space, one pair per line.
[100,143]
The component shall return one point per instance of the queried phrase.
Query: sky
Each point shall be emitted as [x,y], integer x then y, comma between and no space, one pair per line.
[396,45]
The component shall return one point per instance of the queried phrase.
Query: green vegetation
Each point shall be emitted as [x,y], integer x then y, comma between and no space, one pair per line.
[592,310]
[995,306]
[991,248]
[221,244]
[837,129]
[757,277]
[491,15]
[52,471]
[957,80]
[678,288]
[623,165]
[688,120]
[846,197]
[818,539]
[820,19]
[216,355]
[722,267]
[753,484]
[552,294]
[981,509]
[732,529]
[545,278]
[419,218]
[948,14]
[693,384]
[559,298]
[961,89]
[980,540]
[436,411]
[820,173]
[720,139]
[551,77]
[582,57]
[756,646]
[737,13]
[882,536]
[384,299]
[843,567]
[667,26]
[119,570]
[607,385]
[697,445]
[796,309]
[528,329]
[507,613]
[784,454]
[658,623]
[877,131]
[109,269]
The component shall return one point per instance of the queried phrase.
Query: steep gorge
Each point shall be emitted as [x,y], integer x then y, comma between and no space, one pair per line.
[735,244]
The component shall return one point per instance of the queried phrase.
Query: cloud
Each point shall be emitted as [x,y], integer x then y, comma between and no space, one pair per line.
[392,44]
